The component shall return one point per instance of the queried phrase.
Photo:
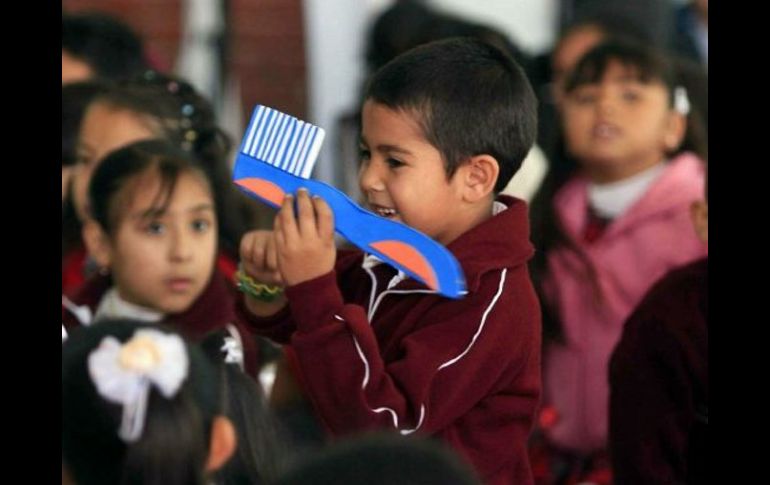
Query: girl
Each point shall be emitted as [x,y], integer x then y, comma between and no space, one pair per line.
[157,106]
[139,405]
[153,235]
[624,222]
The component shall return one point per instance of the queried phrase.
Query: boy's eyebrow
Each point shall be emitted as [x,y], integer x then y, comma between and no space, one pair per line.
[384,147]
[393,148]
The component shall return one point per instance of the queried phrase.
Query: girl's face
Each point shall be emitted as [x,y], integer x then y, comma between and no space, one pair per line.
[74,69]
[568,54]
[620,126]
[103,130]
[163,259]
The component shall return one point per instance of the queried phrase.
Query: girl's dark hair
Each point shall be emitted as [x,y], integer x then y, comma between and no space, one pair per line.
[648,65]
[186,119]
[75,98]
[107,44]
[173,447]
[262,453]
[107,197]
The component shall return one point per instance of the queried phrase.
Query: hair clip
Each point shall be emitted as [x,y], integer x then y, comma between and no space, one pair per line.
[188,110]
[124,373]
[681,101]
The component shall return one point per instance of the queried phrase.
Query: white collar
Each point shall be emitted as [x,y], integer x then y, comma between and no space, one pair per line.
[613,199]
[113,306]
[498,207]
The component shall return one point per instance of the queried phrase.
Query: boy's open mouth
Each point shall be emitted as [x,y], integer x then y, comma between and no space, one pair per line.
[381,211]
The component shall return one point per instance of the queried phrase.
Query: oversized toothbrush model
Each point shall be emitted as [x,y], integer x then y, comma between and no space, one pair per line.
[276,157]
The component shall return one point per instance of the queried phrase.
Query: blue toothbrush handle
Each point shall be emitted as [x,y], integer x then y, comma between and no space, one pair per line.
[401,246]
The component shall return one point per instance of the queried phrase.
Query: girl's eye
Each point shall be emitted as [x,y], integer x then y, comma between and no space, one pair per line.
[631,96]
[201,225]
[363,154]
[155,228]
[82,159]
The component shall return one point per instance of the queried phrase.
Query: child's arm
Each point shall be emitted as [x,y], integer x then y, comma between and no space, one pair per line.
[306,247]
[458,353]
[258,259]
[455,355]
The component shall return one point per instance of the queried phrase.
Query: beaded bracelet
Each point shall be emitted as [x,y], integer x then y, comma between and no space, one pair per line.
[256,290]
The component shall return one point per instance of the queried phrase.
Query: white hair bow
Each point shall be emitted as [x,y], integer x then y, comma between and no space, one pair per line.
[123,373]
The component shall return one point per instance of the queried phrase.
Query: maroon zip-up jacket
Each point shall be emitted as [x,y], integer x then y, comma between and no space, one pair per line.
[659,383]
[404,358]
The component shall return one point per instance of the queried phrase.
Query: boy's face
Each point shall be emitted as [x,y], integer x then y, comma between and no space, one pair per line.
[402,175]
[164,260]
[102,130]
[620,126]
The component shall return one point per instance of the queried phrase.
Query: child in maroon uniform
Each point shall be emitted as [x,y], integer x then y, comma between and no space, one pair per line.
[444,128]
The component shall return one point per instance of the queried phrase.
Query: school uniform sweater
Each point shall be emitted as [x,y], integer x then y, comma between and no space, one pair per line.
[378,351]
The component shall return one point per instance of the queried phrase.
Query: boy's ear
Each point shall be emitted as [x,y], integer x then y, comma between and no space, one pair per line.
[479,174]
[675,131]
[97,243]
[223,443]
[699,212]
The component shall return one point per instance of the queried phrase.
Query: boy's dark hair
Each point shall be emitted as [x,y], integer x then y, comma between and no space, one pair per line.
[106,190]
[469,97]
[648,65]
[174,443]
[109,46]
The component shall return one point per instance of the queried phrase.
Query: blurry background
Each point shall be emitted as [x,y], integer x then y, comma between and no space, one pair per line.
[306,57]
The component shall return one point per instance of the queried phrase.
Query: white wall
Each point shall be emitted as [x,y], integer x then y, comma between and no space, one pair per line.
[531,24]
[335,31]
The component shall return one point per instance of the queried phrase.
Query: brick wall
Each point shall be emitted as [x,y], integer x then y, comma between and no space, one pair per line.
[267,44]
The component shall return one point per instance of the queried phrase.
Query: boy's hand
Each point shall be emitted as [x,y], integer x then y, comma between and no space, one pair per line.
[305,243]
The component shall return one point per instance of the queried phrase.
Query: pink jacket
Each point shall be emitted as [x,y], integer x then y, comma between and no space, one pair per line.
[654,236]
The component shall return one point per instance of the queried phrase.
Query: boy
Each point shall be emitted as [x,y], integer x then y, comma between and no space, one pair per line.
[444,128]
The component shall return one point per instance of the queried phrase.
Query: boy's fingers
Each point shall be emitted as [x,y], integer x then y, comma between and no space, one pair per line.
[286,220]
[305,213]
[324,217]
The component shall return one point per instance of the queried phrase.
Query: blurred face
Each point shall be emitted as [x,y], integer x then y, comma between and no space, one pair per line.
[620,126]
[66,176]
[74,69]
[163,260]
[103,130]
[568,54]
[402,175]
